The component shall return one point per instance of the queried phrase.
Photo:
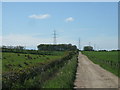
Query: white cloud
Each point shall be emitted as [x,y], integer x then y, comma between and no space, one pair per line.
[102,42]
[24,40]
[69,19]
[0,40]
[42,16]
[30,41]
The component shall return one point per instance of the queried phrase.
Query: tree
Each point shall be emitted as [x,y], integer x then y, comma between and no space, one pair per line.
[58,47]
[88,48]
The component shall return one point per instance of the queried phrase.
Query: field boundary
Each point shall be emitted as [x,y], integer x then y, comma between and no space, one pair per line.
[11,79]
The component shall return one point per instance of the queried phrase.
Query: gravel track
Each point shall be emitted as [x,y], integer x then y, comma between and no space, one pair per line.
[90,75]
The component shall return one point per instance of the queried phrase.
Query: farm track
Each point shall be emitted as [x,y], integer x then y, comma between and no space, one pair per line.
[90,75]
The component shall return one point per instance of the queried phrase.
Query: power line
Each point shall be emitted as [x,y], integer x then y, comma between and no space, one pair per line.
[89,43]
[79,44]
[54,37]
[94,46]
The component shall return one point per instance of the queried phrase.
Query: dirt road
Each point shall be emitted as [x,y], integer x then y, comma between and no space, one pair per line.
[90,75]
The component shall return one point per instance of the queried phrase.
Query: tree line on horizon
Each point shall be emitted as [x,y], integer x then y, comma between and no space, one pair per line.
[46,47]
[57,47]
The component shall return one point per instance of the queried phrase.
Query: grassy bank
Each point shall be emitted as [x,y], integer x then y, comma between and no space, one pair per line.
[106,59]
[65,77]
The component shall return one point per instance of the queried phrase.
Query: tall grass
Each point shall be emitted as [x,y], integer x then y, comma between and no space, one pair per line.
[65,77]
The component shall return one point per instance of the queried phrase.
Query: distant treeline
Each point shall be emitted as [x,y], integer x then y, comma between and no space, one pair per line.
[107,50]
[90,48]
[43,49]
[21,49]
[58,47]
[13,47]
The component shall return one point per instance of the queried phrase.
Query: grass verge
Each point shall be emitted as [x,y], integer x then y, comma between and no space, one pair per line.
[65,77]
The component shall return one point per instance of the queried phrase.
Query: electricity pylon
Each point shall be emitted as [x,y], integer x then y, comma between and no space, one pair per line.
[54,37]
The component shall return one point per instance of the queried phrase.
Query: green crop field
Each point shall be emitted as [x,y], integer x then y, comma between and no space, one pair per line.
[23,70]
[106,59]
[18,61]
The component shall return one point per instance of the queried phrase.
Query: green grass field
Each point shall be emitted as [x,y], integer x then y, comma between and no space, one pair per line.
[62,78]
[38,71]
[106,59]
[17,61]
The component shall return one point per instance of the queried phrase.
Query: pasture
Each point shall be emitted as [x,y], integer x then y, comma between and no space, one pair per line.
[18,61]
[22,70]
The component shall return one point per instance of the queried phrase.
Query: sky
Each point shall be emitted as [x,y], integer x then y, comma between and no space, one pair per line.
[32,23]
[60,0]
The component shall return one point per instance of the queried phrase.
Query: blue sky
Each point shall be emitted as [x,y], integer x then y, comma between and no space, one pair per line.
[30,24]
